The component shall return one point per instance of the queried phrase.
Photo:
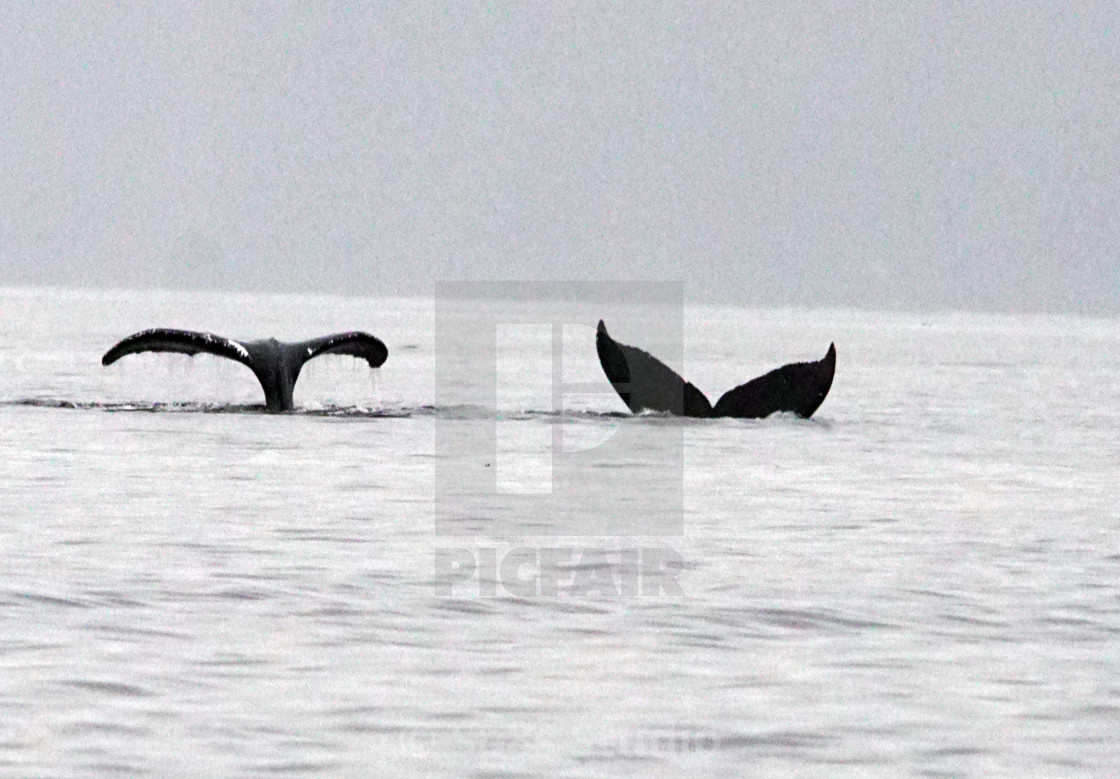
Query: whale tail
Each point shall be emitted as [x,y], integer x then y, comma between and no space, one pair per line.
[276,365]
[645,383]
[799,387]
[163,339]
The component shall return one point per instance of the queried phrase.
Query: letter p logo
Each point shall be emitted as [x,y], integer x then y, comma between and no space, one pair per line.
[530,436]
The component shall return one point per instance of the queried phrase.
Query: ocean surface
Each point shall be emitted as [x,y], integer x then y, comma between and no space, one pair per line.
[923,579]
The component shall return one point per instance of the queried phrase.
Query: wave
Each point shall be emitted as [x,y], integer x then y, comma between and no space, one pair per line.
[465,412]
[451,412]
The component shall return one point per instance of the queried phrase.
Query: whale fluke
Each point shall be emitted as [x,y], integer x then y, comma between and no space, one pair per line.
[799,387]
[182,341]
[645,383]
[275,364]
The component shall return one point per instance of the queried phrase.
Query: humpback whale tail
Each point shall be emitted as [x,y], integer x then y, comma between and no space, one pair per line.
[645,383]
[275,364]
[799,387]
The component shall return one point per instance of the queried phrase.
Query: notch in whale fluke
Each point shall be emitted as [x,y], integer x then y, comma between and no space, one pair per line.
[646,384]
[275,364]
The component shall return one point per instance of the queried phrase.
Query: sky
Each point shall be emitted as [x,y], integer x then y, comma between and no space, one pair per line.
[919,156]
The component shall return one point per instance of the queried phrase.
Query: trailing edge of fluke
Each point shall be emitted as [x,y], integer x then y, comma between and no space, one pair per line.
[275,364]
[646,384]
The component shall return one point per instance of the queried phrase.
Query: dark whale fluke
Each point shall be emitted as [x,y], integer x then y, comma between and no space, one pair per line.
[646,384]
[275,364]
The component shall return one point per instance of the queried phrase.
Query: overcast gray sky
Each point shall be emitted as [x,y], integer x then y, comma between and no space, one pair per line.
[901,155]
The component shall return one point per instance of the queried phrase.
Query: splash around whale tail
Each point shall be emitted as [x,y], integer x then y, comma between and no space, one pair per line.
[645,383]
[276,365]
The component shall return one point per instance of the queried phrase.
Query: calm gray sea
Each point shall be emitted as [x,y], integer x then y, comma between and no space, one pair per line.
[922,579]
